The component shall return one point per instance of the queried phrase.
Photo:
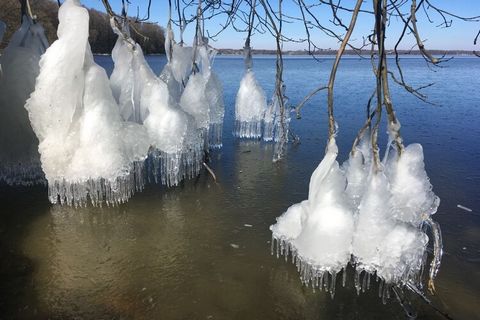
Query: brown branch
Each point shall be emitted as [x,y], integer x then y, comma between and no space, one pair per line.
[331,81]
[210,171]
[306,98]
[420,44]
[366,125]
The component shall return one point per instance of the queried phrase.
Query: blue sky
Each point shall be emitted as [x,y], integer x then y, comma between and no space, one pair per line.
[459,36]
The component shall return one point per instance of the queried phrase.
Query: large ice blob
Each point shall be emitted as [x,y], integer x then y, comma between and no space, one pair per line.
[250,107]
[176,148]
[318,232]
[86,148]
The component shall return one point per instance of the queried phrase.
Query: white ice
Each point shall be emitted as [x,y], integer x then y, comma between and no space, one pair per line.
[176,148]
[250,107]
[173,135]
[382,244]
[193,84]
[370,217]
[213,94]
[19,158]
[175,87]
[194,102]
[413,200]
[86,148]
[398,198]
[181,62]
[318,231]
[357,168]
[122,78]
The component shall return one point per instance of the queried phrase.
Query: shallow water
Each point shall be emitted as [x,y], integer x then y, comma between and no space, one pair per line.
[202,250]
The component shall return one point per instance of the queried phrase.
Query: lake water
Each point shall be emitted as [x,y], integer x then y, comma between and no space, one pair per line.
[186,252]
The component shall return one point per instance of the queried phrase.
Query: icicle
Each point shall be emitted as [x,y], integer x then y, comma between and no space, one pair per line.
[364,282]
[271,120]
[437,253]
[368,280]
[332,284]
[357,281]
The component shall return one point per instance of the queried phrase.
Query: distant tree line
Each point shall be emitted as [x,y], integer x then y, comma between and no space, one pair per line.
[102,39]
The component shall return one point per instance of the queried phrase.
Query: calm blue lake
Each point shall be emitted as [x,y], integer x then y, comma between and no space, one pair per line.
[202,250]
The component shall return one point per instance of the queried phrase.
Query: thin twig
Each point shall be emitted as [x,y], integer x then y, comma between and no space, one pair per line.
[210,171]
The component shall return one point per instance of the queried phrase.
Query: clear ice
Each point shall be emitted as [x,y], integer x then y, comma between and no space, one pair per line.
[276,124]
[88,152]
[19,157]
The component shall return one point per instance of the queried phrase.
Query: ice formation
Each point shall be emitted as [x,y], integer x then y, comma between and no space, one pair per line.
[318,231]
[275,123]
[122,79]
[254,119]
[203,96]
[413,200]
[270,120]
[250,105]
[373,218]
[179,65]
[214,95]
[193,84]
[182,109]
[87,150]
[194,102]
[357,168]
[382,244]
[19,158]
[176,148]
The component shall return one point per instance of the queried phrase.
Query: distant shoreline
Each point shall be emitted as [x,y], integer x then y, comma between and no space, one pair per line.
[366,53]
[329,52]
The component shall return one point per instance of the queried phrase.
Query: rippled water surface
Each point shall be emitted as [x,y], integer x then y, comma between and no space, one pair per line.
[202,250]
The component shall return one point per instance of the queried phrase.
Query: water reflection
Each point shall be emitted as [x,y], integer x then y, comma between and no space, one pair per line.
[196,251]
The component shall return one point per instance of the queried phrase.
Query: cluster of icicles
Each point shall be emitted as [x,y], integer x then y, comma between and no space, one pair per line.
[254,118]
[98,139]
[374,219]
